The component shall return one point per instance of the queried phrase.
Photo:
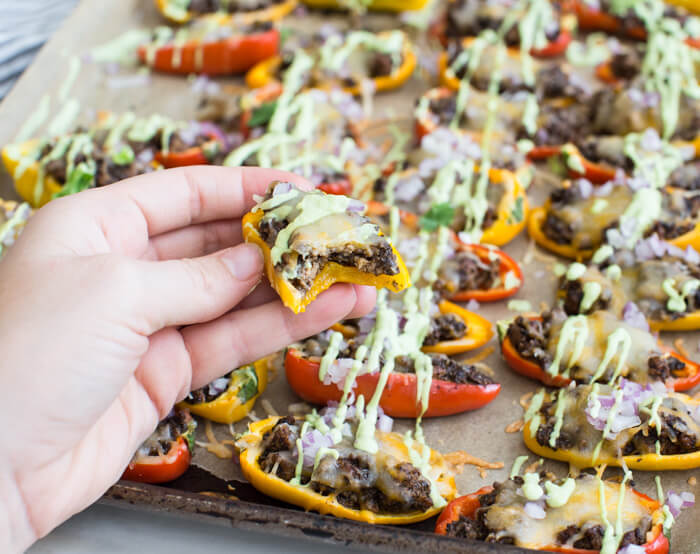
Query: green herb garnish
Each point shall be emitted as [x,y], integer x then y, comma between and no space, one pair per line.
[439,215]
[263,114]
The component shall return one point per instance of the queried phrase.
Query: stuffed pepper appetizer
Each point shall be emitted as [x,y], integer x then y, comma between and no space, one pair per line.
[600,347]
[116,148]
[540,512]
[211,46]
[393,480]
[489,207]
[166,454]
[230,398]
[658,281]
[13,217]
[237,11]
[470,18]
[577,220]
[311,240]
[642,427]
[455,387]
[469,271]
[358,62]
[375,5]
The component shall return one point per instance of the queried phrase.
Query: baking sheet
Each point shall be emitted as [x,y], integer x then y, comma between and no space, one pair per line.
[480,433]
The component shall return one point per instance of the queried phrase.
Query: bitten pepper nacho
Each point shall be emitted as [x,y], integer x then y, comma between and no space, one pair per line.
[311,240]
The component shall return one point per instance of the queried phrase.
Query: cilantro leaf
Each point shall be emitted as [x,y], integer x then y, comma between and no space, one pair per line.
[439,215]
[263,114]
[517,214]
[247,382]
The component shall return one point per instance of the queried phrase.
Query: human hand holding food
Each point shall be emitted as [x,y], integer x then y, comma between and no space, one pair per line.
[116,303]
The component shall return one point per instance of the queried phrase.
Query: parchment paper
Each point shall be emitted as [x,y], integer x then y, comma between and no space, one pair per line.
[481,433]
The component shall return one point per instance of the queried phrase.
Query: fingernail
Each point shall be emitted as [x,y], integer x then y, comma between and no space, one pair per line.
[245,261]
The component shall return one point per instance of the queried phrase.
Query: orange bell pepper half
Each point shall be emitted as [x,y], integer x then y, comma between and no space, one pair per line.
[538,215]
[466,506]
[506,263]
[330,273]
[399,398]
[528,368]
[308,499]
[227,56]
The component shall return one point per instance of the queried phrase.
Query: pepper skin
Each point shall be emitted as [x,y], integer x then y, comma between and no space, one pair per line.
[376,5]
[644,462]
[170,466]
[306,498]
[479,332]
[339,186]
[228,406]
[466,506]
[530,369]
[506,263]
[265,72]
[232,55]
[399,398]
[273,13]
[26,184]
[688,322]
[196,155]
[538,215]
[507,226]
[330,273]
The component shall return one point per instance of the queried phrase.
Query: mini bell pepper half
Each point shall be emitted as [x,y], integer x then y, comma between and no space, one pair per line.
[594,19]
[374,5]
[265,72]
[246,384]
[195,155]
[170,465]
[26,177]
[466,506]
[399,398]
[512,211]
[235,54]
[306,498]
[342,187]
[643,462]
[172,12]
[506,265]
[330,274]
[537,218]
[528,368]
[687,322]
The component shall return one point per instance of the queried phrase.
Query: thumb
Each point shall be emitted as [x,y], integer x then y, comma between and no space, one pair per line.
[195,290]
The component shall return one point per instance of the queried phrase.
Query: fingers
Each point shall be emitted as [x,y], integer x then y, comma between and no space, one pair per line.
[196,240]
[176,198]
[182,292]
[246,335]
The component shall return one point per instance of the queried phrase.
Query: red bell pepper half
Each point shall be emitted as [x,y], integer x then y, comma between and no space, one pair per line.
[235,54]
[196,155]
[507,264]
[555,48]
[339,186]
[528,368]
[399,398]
[466,506]
[161,469]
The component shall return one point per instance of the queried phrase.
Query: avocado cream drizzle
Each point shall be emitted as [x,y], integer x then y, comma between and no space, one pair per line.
[574,331]
[677,299]
[330,354]
[558,417]
[619,343]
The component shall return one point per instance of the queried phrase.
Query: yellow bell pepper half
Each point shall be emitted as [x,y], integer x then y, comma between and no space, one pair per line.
[330,273]
[27,176]
[307,498]
[273,13]
[246,384]
[265,72]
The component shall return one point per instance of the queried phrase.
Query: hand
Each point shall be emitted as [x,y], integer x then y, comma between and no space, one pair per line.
[116,302]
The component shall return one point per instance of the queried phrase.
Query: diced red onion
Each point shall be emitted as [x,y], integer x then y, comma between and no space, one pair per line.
[473,305]
[311,442]
[632,549]
[190,133]
[283,187]
[691,255]
[625,415]
[385,423]
[218,386]
[209,128]
[637,182]
[585,187]
[356,206]
[676,502]
[606,189]
[337,372]
[534,510]
[408,188]
[409,248]
[632,315]
[650,140]
[145,156]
